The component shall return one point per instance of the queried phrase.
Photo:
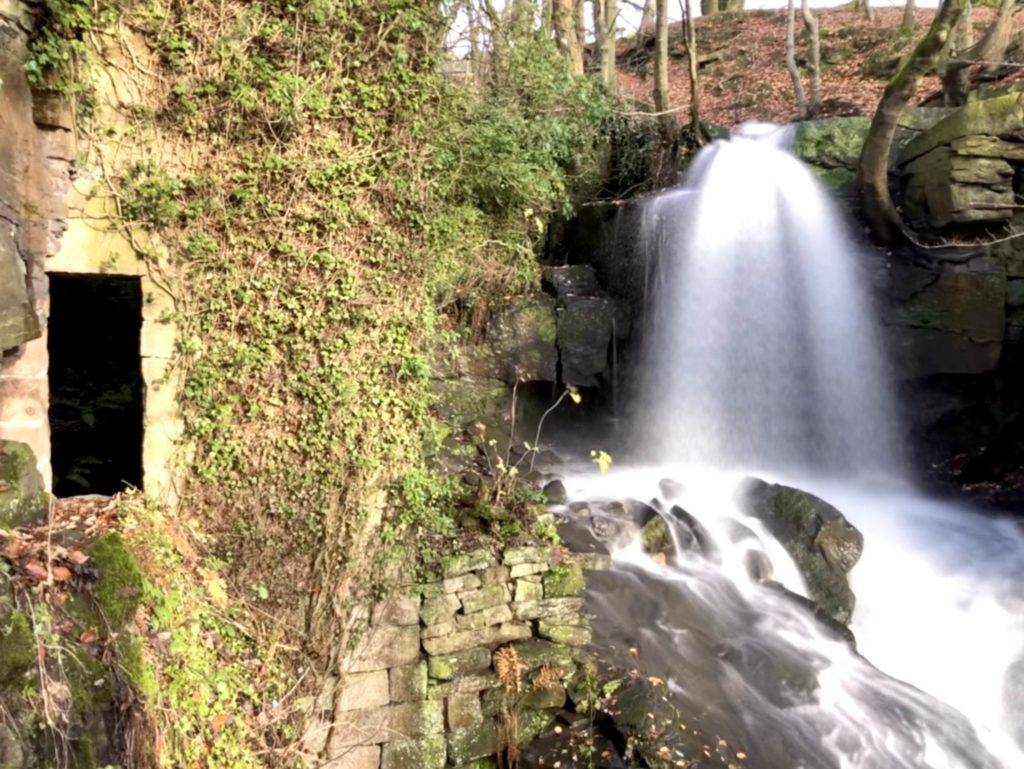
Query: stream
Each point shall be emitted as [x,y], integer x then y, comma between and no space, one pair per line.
[762,357]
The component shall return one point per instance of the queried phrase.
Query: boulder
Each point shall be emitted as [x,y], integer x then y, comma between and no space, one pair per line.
[522,338]
[821,542]
[831,146]
[585,326]
[571,280]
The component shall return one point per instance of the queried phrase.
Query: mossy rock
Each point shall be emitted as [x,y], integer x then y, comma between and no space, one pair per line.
[118,589]
[834,142]
[23,500]
[17,647]
[656,538]
[565,580]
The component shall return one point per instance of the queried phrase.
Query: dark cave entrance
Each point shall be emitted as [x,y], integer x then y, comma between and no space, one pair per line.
[95,383]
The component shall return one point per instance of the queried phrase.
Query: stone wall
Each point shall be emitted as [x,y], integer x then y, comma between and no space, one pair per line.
[36,147]
[423,689]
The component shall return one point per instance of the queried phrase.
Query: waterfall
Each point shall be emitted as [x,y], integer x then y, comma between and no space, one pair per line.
[763,351]
[762,356]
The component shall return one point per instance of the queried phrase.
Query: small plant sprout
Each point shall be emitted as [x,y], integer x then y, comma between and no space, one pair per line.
[602,459]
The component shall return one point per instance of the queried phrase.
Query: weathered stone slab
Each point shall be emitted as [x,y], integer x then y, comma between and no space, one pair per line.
[525,569]
[495,615]
[475,683]
[567,609]
[448,666]
[510,631]
[473,742]
[484,598]
[397,610]
[570,635]
[493,574]
[439,629]
[358,691]
[384,646]
[980,146]
[463,709]
[461,583]
[354,756]
[999,116]
[440,609]
[528,591]
[408,682]
[467,562]
[388,723]
[516,555]
[564,580]
[585,327]
[427,752]
[536,652]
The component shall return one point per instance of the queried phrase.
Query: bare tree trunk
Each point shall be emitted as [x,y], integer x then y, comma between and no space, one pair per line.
[991,49]
[873,173]
[956,78]
[566,35]
[794,73]
[864,5]
[666,119]
[697,131]
[578,20]
[811,22]
[597,12]
[708,7]
[909,23]
[545,19]
[610,16]
[646,28]
[732,6]
[476,59]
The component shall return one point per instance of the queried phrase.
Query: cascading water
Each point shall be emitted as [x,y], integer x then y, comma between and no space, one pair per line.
[762,351]
[762,357]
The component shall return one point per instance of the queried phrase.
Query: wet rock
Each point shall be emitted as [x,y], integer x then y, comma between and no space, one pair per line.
[523,340]
[670,489]
[571,280]
[737,532]
[821,542]
[584,337]
[837,629]
[555,493]
[693,535]
[758,565]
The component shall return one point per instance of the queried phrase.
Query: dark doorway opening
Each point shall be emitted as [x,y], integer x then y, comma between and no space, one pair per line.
[95,383]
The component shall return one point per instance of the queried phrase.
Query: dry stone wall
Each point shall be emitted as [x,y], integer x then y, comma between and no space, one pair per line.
[448,673]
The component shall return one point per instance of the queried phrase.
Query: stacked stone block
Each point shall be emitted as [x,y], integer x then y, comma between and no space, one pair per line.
[420,689]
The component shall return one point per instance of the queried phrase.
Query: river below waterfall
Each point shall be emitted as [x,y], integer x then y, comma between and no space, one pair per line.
[935,680]
[762,356]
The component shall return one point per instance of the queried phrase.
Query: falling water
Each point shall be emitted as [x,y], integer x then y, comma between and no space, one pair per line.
[762,357]
[763,351]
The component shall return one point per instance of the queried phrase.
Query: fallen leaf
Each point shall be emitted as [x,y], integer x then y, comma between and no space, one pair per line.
[77,557]
[217,723]
[35,570]
[87,636]
[61,573]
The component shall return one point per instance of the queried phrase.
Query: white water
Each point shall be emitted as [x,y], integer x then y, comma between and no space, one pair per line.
[763,358]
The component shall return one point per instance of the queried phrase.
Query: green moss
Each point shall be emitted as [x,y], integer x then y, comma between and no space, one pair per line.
[22,499]
[17,647]
[564,579]
[119,586]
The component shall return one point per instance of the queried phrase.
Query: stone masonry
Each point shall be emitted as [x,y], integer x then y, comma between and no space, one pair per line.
[421,689]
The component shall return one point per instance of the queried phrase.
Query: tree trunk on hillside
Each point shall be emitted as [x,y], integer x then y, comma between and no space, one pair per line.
[646,28]
[909,23]
[991,49]
[873,173]
[732,6]
[811,22]
[666,118]
[697,132]
[566,36]
[956,78]
[708,7]
[545,19]
[597,14]
[794,73]
[578,16]
[864,5]
[609,16]
[522,17]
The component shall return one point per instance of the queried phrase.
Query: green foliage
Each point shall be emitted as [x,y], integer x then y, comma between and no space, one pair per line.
[119,582]
[58,41]
[17,647]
